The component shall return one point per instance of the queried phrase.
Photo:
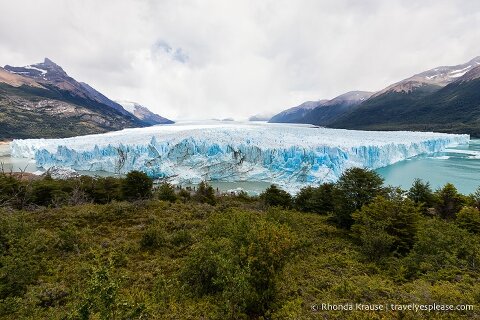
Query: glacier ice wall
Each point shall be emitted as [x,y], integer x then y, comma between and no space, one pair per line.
[289,155]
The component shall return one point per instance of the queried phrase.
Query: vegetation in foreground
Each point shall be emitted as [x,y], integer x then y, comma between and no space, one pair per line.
[108,248]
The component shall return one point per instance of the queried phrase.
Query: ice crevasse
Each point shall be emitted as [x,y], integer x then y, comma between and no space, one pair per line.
[291,156]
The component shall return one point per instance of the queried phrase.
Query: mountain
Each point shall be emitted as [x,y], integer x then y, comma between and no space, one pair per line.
[435,78]
[323,112]
[261,117]
[444,99]
[43,101]
[296,114]
[143,113]
[331,110]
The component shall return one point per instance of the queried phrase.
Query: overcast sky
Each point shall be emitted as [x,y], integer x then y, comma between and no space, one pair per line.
[216,59]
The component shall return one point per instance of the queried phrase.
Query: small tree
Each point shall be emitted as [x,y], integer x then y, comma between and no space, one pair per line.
[184,195]
[274,196]
[137,185]
[108,189]
[448,201]
[205,194]
[166,192]
[12,191]
[355,188]
[318,200]
[469,218]
[303,199]
[421,194]
[386,226]
[476,198]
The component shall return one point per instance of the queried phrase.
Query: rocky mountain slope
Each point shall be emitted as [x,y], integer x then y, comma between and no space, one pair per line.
[43,101]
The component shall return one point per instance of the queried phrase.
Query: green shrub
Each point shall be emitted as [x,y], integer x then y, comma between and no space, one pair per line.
[274,196]
[49,192]
[67,239]
[153,238]
[102,189]
[238,262]
[50,295]
[181,238]
[23,264]
[386,226]
[316,199]
[12,191]
[166,192]
[442,245]
[137,185]
[101,294]
[476,198]
[184,195]
[469,218]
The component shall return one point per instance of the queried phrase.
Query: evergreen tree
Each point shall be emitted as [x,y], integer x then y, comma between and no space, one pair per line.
[421,194]
[205,193]
[476,198]
[448,201]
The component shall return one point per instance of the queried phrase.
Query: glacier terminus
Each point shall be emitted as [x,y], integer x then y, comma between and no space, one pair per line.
[291,156]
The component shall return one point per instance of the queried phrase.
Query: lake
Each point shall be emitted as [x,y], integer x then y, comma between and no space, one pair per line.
[459,165]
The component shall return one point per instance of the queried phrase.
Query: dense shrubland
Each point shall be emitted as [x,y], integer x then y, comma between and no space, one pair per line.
[116,248]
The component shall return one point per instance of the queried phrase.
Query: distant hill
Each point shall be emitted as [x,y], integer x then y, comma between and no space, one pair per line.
[322,112]
[43,101]
[143,113]
[296,114]
[261,117]
[444,99]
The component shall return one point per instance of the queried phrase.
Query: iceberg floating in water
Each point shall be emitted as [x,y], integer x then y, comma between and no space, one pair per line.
[291,156]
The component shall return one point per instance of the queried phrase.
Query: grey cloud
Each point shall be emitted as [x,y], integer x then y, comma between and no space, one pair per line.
[216,58]
[177,54]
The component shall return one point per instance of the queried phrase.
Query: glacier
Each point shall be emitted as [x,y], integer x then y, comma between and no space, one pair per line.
[291,156]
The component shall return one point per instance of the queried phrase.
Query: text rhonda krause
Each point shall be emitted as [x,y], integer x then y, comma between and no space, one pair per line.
[391,306]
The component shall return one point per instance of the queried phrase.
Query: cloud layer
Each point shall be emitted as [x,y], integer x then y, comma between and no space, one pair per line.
[216,59]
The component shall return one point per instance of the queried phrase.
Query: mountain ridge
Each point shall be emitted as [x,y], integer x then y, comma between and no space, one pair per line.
[452,108]
[322,112]
[43,101]
[443,99]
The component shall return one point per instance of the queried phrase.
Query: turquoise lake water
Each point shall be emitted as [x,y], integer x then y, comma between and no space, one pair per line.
[459,165]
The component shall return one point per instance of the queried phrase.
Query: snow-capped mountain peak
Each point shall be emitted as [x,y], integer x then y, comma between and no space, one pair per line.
[143,113]
[439,76]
